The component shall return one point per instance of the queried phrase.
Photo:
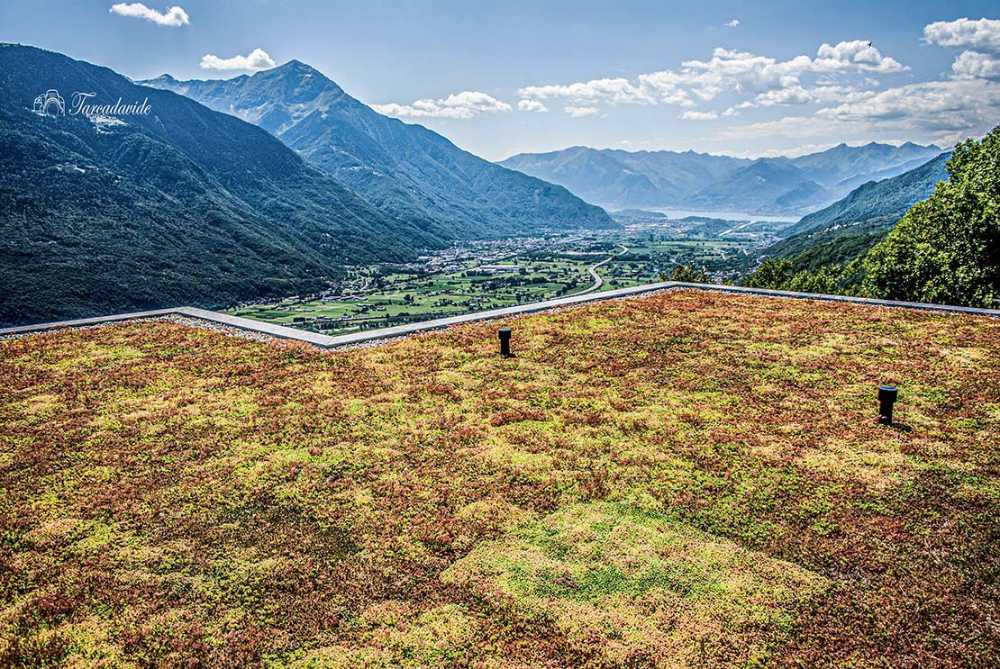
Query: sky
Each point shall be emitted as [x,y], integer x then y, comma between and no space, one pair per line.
[736,78]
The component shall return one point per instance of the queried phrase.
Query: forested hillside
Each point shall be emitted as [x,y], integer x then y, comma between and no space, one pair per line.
[181,206]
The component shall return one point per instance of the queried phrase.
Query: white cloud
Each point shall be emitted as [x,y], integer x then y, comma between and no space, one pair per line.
[797,95]
[943,112]
[666,87]
[610,90]
[975,65]
[580,112]
[699,116]
[174,17]
[531,106]
[857,54]
[258,59]
[983,34]
[930,105]
[982,60]
[464,105]
[793,95]
[768,80]
[740,71]
[732,23]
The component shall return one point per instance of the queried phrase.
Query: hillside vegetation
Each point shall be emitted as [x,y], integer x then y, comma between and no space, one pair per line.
[843,232]
[947,248]
[686,480]
[183,206]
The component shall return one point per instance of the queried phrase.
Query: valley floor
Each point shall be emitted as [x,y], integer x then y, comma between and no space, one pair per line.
[490,275]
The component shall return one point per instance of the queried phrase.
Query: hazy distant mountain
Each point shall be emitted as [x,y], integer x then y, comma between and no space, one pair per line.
[852,225]
[182,206]
[770,185]
[623,179]
[405,170]
[886,200]
[620,179]
[844,167]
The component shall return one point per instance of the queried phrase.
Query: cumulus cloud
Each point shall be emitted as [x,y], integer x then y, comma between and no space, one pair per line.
[666,87]
[981,37]
[610,90]
[931,105]
[975,65]
[699,116]
[793,95]
[531,106]
[797,95]
[983,34]
[258,59]
[768,80]
[940,111]
[857,54]
[580,112]
[174,17]
[732,23]
[464,105]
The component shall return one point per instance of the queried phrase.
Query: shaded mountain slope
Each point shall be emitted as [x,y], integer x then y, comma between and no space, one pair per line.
[775,186]
[183,205]
[885,201]
[849,227]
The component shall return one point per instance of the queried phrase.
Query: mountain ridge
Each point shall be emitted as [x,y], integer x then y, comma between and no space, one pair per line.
[182,206]
[695,180]
[405,170]
[890,197]
[849,227]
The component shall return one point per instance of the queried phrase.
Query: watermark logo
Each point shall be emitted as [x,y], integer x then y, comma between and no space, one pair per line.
[50,103]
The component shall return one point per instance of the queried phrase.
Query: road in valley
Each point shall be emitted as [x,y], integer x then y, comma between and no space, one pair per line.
[598,281]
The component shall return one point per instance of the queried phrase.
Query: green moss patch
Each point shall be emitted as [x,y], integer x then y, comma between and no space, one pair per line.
[640,587]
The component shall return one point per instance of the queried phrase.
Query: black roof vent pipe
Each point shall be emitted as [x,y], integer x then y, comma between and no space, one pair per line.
[504,335]
[886,398]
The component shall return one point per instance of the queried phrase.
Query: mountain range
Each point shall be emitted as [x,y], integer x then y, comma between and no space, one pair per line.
[852,225]
[618,179]
[269,185]
[187,205]
[182,205]
[405,170]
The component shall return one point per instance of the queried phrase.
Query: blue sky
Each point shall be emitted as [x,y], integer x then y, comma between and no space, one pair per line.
[501,78]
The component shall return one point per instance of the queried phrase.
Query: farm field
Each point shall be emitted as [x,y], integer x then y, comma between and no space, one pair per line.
[653,256]
[404,297]
[689,479]
[385,296]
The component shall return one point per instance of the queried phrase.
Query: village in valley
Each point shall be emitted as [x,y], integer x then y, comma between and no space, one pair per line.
[489,274]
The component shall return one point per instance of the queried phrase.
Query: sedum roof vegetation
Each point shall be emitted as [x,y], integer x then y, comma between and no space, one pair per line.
[688,479]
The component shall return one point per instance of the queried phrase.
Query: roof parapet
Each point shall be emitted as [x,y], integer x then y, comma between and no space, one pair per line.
[384,334]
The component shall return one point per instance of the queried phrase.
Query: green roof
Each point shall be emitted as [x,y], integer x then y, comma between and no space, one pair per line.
[690,478]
